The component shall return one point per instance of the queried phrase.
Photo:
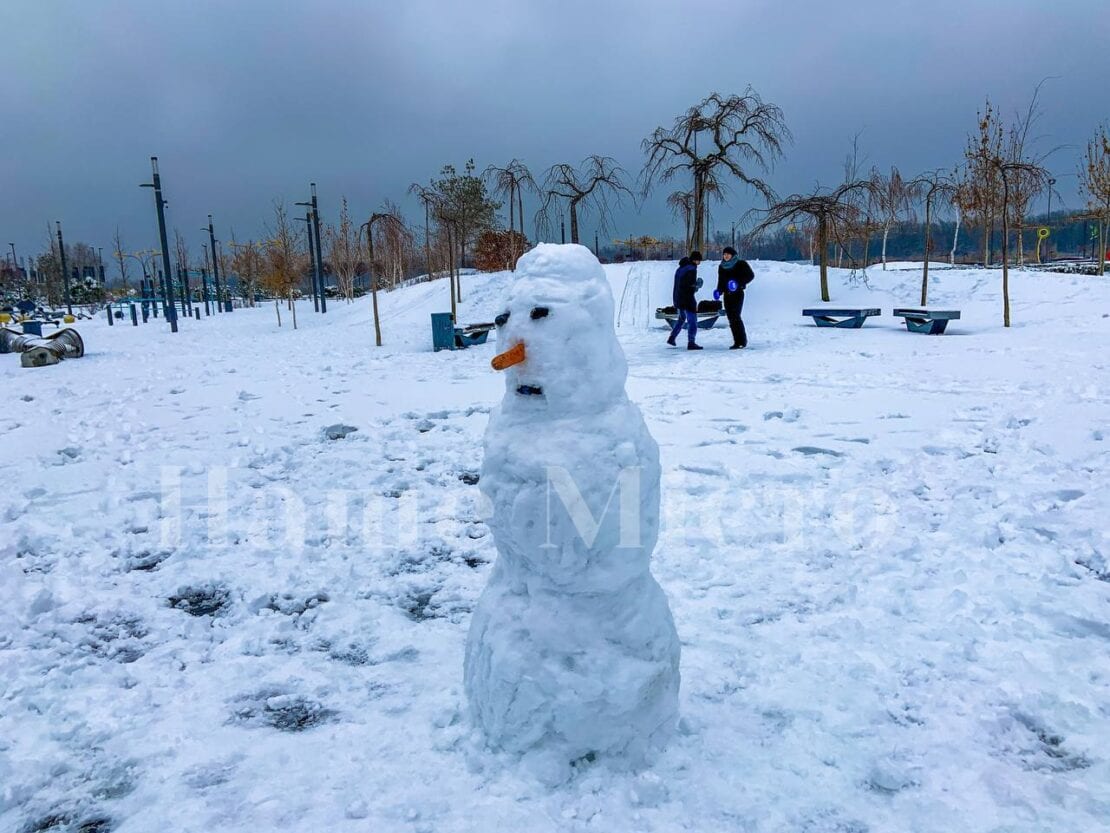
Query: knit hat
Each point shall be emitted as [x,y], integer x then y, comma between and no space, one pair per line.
[728,250]
[696,255]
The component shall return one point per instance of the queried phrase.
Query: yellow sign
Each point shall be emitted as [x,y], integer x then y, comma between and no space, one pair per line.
[1042,232]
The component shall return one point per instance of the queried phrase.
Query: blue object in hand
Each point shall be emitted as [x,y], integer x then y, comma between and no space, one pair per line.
[732,286]
[716,294]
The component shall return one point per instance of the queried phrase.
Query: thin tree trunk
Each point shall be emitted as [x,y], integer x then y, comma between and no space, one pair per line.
[928,246]
[293,307]
[520,215]
[459,265]
[955,238]
[886,233]
[823,244]
[988,228]
[1005,254]
[451,271]
[427,240]
[699,212]
[377,320]
[277,309]
[574,221]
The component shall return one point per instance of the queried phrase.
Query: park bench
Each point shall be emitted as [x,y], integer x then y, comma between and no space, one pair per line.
[708,313]
[446,336]
[929,321]
[850,318]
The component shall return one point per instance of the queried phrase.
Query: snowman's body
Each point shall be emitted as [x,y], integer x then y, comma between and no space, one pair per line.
[572,650]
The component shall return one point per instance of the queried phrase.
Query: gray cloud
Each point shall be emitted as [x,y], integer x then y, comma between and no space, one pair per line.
[248,101]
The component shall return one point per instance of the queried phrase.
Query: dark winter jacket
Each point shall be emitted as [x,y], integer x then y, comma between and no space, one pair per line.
[741,273]
[686,285]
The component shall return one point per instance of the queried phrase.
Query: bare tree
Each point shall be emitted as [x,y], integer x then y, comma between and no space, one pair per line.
[1011,172]
[284,263]
[246,263]
[121,256]
[583,190]
[742,132]
[981,195]
[1024,188]
[464,206]
[832,213]
[892,201]
[427,197]
[1094,179]
[934,189]
[391,236]
[511,182]
[345,252]
[681,204]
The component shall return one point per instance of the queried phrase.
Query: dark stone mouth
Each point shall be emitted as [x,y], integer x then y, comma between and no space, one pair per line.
[530,390]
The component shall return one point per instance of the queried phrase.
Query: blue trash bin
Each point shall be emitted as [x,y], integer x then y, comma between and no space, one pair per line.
[32,328]
[443,331]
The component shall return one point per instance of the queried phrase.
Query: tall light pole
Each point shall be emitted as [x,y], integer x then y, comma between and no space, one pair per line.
[314,242]
[204,280]
[167,274]
[319,251]
[65,274]
[216,268]
[311,256]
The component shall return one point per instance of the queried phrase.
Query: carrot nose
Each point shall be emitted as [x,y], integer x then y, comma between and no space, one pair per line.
[514,355]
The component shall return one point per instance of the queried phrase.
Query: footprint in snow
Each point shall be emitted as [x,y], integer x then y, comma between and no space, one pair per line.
[812,451]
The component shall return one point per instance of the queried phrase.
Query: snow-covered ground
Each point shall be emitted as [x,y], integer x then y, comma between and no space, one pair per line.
[886,554]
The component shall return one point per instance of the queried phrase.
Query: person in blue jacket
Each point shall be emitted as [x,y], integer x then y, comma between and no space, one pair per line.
[685,302]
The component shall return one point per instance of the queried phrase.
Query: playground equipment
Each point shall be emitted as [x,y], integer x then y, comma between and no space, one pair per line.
[37,351]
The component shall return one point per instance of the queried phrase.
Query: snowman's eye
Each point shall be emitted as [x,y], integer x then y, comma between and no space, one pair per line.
[501,319]
[539,312]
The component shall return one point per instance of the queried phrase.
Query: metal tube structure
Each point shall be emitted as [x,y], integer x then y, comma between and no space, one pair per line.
[65,274]
[40,352]
[160,205]
[312,257]
[215,267]
[319,251]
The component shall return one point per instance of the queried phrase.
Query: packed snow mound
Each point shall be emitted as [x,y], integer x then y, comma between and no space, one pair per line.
[572,351]
[572,652]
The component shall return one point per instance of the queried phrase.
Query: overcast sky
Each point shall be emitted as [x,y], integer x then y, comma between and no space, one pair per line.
[245,101]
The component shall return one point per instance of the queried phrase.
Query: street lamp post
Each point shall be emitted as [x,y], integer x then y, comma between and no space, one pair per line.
[204,280]
[160,205]
[313,219]
[312,257]
[319,251]
[65,274]
[216,268]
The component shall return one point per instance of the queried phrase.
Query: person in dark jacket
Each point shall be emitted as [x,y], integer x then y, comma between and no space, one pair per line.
[733,277]
[685,302]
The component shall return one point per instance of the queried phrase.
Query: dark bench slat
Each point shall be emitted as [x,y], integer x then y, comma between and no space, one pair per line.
[850,318]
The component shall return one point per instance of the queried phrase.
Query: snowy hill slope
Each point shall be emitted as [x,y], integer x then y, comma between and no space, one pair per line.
[886,554]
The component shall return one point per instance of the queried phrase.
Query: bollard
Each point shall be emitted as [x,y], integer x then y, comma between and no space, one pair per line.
[134,317]
[196,313]
[146,313]
[111,321]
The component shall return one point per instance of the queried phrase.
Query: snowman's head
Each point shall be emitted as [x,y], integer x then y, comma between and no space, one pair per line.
[555,328]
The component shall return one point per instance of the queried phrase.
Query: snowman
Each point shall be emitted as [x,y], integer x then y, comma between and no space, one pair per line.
[572,654]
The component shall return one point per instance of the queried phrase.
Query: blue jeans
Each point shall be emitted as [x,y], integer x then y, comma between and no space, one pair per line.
[686,318]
